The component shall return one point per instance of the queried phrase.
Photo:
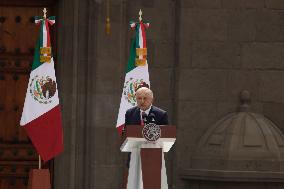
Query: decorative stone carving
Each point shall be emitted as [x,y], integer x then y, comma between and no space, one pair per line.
[242,146]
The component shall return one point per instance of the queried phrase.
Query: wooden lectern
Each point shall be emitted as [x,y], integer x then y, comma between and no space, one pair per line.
[151,152]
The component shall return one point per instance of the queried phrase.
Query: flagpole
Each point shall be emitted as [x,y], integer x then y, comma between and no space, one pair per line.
[39,162]
[44,17]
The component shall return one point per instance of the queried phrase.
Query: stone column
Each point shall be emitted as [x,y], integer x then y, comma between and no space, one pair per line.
[90,70]
[75,72]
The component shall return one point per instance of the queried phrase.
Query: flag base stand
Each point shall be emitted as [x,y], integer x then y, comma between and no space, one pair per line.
[39,178]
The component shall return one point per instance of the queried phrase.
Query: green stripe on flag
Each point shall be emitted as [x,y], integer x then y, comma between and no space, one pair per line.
[38,17]
[51,18]
[131,61]
[39,43]
[36,62]
[137,36]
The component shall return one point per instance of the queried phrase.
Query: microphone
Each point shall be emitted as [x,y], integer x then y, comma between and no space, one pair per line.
[152,118]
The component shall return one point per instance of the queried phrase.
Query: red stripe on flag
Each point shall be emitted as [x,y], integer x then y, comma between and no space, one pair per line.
[143,34]
[46,134]
[50,22]
[47,33]
[146,25]
[120,128]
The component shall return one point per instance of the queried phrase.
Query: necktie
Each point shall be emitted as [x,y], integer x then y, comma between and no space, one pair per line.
[143,118]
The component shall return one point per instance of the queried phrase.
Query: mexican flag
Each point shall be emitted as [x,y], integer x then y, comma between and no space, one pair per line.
[137,74]
[41,115]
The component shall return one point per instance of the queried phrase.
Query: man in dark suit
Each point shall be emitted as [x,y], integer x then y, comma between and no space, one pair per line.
[145,112]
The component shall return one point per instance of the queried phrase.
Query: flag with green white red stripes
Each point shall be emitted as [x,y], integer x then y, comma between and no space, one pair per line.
[41,116]
[137,74]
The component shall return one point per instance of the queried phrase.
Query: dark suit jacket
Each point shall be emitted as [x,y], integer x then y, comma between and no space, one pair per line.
[132,116]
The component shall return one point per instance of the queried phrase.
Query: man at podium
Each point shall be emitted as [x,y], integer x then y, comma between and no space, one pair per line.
[145,112]
[142,114]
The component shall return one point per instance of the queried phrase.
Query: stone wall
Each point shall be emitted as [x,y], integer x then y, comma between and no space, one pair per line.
[225,47]
[202,53]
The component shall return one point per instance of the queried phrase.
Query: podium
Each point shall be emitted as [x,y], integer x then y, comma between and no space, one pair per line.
[150,151]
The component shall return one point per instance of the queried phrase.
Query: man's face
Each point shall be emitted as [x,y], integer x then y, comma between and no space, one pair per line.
[144,99]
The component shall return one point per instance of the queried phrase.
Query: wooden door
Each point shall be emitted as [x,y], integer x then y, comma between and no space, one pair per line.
[18,35]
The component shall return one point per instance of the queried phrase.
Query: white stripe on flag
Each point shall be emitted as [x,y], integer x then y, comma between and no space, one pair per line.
[140,39]
[44,38]
[140,72]
[32,108]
